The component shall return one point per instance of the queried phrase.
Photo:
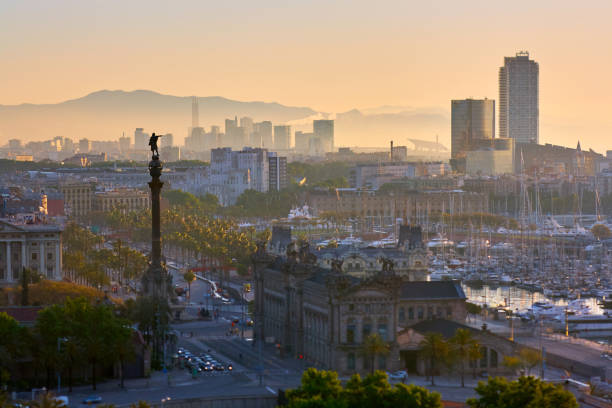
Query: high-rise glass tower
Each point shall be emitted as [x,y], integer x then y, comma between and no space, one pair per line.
[519,99]
[472,125]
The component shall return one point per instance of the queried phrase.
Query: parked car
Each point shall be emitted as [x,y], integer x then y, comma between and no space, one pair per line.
[398,375]
[92,399]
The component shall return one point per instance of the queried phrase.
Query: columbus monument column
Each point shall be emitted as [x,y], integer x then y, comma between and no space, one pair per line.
[156,280]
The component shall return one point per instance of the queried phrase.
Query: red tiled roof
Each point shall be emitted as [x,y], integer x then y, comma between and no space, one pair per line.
[453,404]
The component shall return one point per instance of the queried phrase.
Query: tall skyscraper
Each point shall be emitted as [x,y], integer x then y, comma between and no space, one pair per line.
[167,140]
[247,124]
[472,125]
[324,131]
[282,137]
[84,146]
[302,142]
[141,139]
[277,172]
[519,99]
[264,134]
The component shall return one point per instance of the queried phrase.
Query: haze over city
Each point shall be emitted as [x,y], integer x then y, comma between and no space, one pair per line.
[305,204]
[331,57]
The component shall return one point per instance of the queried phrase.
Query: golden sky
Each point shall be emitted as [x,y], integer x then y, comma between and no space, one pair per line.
[329,55]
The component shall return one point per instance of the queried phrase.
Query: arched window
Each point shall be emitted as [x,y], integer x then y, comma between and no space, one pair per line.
[350,331]
[382,328]
[483,357]
[492,358]
[350,361]
[366,329]
[402,314]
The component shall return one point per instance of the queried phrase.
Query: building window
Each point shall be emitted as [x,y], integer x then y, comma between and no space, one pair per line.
[483,357]
[34,256]
[350,331]
[430,312]
[366,328]
[350,361]
[439,312]
[402,314]
[420,313]
[382,329]
[382,363]
[410,313]
[449,311]
[351,307]
[49,256]
[492,358]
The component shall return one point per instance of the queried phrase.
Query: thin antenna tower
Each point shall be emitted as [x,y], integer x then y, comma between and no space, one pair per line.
[195,112]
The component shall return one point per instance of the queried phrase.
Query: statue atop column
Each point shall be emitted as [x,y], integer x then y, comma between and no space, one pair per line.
[153,144]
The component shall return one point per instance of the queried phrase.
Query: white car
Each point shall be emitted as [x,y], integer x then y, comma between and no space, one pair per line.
[398,375]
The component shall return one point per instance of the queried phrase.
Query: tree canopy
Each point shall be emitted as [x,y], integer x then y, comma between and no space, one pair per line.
[526,392]
[323,389]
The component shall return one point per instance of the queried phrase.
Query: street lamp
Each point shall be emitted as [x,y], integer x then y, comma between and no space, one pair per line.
[510,316]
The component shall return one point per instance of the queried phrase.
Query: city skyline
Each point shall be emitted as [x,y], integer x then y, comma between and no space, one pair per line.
[332,63]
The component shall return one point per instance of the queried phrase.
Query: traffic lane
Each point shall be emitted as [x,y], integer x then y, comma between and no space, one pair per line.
[221,385]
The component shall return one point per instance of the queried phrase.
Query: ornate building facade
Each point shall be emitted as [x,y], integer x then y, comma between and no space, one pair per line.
[34,246]
[324,314]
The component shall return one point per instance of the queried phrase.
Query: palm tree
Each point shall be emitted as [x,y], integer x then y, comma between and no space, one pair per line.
[373,346]
[189,277]
[461,343]
[434,349]
[47,400]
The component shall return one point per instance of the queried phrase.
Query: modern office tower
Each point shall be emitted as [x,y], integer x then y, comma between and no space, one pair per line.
[235,136]
[167,140]
[68,145]
[519,99]
[277,172]
[282,137]
[324,131]
[230,124]
[472,124]
[247,124]
[196,139]
[125,143]
[141,139]
[14,144]
[265,135]
[213,138]
[302,142]
[84,146]
[233,172]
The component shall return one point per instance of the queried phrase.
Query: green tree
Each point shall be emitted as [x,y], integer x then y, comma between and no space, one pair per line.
[474,354]
[321,386]
[512,362]
[322,389]
[530,359]
[461,343]
[13,338]
[374,346]
[526,392]
[435,350]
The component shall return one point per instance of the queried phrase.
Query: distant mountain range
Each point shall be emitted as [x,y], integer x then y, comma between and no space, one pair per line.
[105,115]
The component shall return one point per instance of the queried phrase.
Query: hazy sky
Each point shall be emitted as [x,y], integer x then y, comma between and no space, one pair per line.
[329,55]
